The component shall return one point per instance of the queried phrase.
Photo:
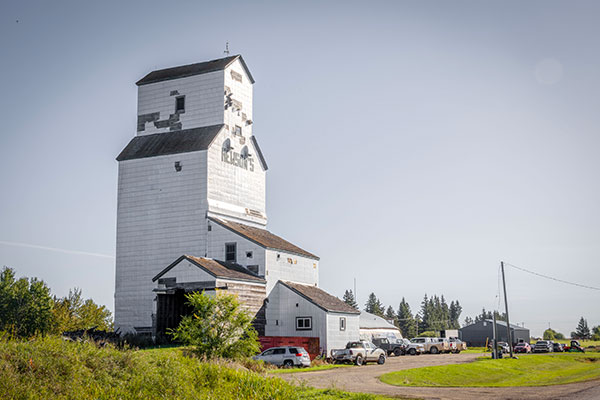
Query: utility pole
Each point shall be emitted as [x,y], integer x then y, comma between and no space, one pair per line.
[506,307]
[494,340]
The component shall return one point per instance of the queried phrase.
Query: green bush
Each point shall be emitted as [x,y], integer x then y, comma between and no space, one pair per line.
[25,305]
[52,368]
[218,327]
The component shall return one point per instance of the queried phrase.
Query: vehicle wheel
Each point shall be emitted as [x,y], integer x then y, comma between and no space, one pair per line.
[334,361]
[457,352]
[397,352]
[381,360]
[434,350]
[412,352]
[359,360]
[288,364]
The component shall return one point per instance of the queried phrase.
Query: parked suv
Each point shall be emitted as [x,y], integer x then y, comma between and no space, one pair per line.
[394,346]
[543,346]
[287,356]
[522,347]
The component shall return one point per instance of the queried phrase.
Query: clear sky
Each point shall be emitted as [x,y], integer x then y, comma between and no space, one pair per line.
[411,145]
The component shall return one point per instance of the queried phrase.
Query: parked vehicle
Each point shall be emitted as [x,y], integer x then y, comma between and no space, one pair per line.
[543,346]
[286,356]
[394,346]
[503,347]
[523,347]
[574,347]
[457,345]
[446,345]
[432,345]
[558,346]
[359,353]
[414,349]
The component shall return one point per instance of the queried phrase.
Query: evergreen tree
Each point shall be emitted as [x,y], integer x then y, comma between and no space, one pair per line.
[596,333]
[406,321]
[390,315]
[426,314]
[582,331]
[374,306]
[349,299]
[455,311]
[468,321]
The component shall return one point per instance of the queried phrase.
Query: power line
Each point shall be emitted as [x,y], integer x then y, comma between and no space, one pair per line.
[552,278]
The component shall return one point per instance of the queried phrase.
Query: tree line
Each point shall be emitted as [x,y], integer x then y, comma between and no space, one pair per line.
[434,315]
[28,308]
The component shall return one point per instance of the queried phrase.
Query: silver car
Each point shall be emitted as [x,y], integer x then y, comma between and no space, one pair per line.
[286,356]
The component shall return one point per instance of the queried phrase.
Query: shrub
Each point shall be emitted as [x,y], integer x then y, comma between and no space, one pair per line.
[73,313]
[218,327]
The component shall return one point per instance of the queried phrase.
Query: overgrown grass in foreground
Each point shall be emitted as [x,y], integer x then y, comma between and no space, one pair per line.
[51,368]
[528,370]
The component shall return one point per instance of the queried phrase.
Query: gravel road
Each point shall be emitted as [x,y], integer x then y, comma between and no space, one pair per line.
[365,379]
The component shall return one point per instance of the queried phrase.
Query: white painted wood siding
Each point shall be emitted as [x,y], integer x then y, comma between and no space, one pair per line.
[232,189]
[215,247]
[160,216]
[282,311]
[301,269]
[204,101]
[336,338]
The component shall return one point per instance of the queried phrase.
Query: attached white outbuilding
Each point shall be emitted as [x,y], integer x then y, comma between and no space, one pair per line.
[295,309]
[373,326]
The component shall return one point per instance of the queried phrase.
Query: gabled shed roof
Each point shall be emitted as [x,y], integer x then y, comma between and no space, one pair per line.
[263,237]
[216,268]
[160,144]
[320,298]
[193,69]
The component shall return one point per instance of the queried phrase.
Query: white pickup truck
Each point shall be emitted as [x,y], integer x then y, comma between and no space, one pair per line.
[433,345]
[359,353]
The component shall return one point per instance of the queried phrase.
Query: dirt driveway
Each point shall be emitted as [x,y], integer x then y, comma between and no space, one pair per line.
[365,379]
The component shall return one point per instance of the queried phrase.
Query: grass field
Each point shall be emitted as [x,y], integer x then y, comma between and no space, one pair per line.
[528,370]
[52,368]
[584,343]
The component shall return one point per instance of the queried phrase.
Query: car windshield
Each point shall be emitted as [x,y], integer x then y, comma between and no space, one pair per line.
[542,342]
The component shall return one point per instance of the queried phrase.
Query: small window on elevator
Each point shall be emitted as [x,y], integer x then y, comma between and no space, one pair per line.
[180,104]
[230,252]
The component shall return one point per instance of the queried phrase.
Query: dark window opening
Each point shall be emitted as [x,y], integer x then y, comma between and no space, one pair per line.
[249,254]
[303,323]
[342,323]
[253,269]
[230,252]
[180,104]
[237,130]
